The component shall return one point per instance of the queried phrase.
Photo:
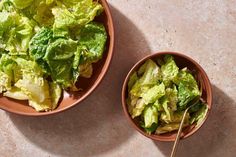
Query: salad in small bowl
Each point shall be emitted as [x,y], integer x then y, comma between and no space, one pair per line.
[157,91]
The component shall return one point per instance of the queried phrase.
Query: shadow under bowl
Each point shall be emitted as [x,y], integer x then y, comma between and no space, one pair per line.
[70,99]
[182,61]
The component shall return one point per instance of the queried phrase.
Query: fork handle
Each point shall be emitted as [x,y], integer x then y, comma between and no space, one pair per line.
[174,149]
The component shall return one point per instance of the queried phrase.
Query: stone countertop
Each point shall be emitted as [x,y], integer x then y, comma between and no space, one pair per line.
[204,30]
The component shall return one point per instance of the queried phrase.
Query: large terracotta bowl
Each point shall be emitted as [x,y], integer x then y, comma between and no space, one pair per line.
[88,85]
[181,61]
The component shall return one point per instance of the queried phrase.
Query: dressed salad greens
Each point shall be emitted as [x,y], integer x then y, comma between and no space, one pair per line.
[159,93]
[45,45]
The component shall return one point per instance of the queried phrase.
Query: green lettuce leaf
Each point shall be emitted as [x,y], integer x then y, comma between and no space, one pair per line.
[7,6]
[5,82]
[154,93]
[38,47]
[92,40]
[169,70]
[60,56]
[172,96]
[168,128]
[22,4]
[10,68]
[55,92]
[138,108]
[40,11]
[150,116]
[187,87]
[86,70]
[15,93]
[72,15]
[133,78]
[198,113]
[149,78]
[16,32]
[167,115]
[151,74]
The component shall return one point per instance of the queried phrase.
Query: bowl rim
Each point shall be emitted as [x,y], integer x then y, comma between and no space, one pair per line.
[124,89]
[96,83]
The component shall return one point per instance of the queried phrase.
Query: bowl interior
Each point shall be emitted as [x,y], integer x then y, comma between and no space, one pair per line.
[181,61]
[88,85]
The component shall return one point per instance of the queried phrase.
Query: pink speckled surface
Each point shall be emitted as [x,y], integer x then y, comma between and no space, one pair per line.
[204,30]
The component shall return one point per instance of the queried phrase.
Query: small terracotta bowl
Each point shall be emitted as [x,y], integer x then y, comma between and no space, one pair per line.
[88,85]
[181,61]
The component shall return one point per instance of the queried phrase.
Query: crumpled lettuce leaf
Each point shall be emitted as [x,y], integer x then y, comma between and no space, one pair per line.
[21,4]
[59,57]
[167,115]
[92,40]
[38,46]
[154,93]
[150,115]
[151,74]
[15,93]
[10,67]
[137,108]
[168,128]
[74,15]
[172,96]
[133,78]
[169,70]
[198,113]
[40,11]
[187,87]
[7,6]
[55,92]
[86,70]
[35,87]
[5,82]
[23,80]
[16,31]
[149,78]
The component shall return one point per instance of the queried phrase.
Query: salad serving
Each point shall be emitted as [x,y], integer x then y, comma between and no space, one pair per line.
[45,45]
[158,94]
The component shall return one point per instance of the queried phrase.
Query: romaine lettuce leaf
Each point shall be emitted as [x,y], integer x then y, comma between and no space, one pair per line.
[15,93]
[7,6]
[21,4]
[151,74]
[92,40]
[71,15]
[149,78]
[187,88]
[9,67]
[150,116]
[167,115]
[172,125]
[138,108]
[154,93]
[41,12]
[16,31]
[60,56]
[133,78]
[5,82]
[168,128]
[199,113]
[55,93]
[169,70]
[86,70]
[172,96]
[38,47]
